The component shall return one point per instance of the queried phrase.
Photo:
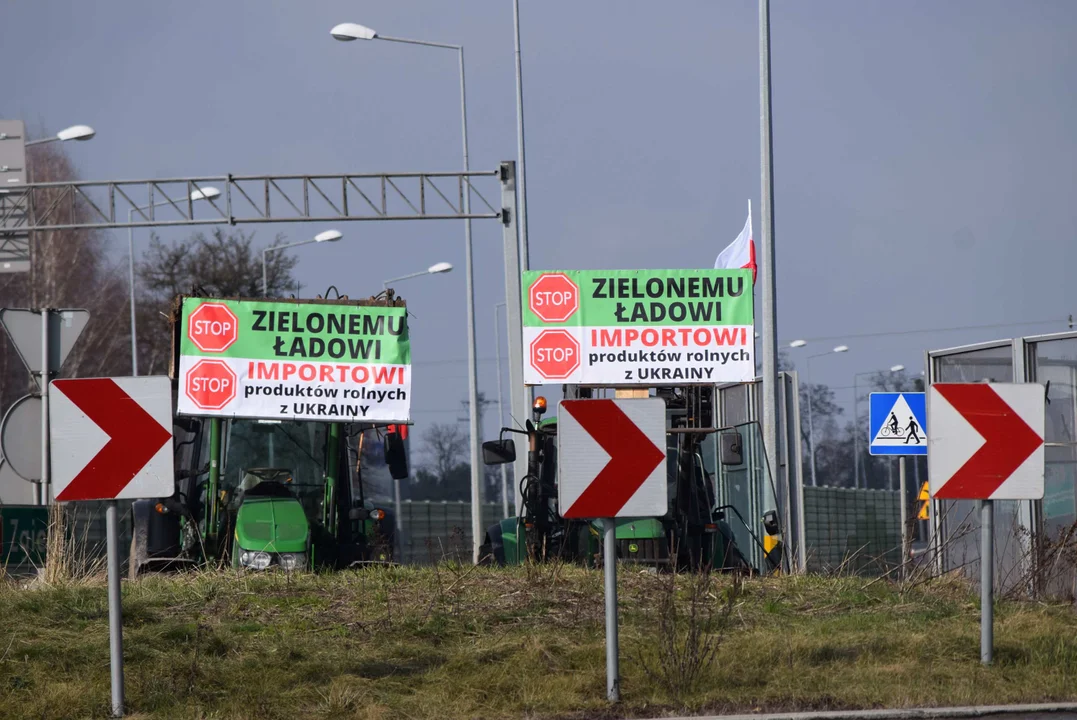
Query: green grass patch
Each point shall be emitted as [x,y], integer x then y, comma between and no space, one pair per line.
[459,642]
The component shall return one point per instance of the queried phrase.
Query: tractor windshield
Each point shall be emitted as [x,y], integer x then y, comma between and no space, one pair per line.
[276,459]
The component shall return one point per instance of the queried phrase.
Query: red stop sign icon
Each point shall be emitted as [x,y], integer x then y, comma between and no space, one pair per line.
[212,327]
[554,297]
[211,384]
[555,354]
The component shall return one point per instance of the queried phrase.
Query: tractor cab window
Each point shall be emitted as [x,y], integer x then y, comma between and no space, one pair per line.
[275,459]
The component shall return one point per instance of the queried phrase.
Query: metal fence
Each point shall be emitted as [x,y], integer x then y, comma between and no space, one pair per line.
[435,531]
[854,531]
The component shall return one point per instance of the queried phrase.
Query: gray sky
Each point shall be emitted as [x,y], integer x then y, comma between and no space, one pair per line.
[925,157]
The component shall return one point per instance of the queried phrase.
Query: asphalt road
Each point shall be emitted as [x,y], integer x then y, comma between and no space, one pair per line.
[1014,712]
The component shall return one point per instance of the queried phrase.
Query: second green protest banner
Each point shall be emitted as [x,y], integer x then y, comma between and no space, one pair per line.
[638,327]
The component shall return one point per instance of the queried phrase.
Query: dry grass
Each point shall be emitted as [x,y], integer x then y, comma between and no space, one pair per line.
[462,642]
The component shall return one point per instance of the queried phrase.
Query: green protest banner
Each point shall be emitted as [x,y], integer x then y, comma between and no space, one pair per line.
[638,327]
[294,359]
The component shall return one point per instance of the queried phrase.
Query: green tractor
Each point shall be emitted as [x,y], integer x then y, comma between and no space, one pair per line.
[260,492]
[258,495]
[700,531]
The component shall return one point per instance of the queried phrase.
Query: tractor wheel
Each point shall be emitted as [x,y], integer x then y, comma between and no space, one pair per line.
[486,552]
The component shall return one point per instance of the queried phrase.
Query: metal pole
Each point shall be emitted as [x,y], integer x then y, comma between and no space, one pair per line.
[385,285]
[856,434]
[472,365]
[609,562]
[518,401]
[987,580]
[811,430]
[525,262]
[43,490]
[770,315]
[501,413]
[903,498]
[399,517]
[131,283]
[115,608]
[265,277]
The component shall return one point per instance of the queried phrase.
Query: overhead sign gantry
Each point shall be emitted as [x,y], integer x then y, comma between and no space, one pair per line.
[245,199]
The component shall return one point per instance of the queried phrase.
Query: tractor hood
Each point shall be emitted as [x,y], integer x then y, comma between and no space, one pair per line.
[272,525]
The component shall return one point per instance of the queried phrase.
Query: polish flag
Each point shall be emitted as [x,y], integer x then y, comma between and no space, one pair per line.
[741,252]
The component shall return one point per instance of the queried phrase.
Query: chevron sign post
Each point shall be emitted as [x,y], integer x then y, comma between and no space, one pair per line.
[611,462]
[111,438]
[985,442]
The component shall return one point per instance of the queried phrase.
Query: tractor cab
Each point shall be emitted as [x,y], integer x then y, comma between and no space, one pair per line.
[716,477]
[260,494]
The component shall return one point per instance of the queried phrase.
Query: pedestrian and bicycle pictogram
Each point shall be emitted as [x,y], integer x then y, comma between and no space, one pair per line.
[897,424]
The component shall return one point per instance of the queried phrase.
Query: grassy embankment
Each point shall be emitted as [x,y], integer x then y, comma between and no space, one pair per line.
[456,642]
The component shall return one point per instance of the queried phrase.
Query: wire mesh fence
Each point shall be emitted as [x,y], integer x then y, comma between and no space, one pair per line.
[435,531]
[855,531]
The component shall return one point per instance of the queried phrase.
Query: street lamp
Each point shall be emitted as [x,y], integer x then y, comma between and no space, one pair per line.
[856,422]
[75,132]
[435,269]
[521,171]
[207,193]
[811,428]
[326,236]
[352,31]
[441,267]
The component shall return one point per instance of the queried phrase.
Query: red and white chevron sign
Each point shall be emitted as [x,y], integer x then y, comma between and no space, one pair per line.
[611,458]
[985,441]
[111,438]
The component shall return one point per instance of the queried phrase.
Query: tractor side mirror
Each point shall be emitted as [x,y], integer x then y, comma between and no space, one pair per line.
[770,522]
[731,449]
[396,457]
[499,452]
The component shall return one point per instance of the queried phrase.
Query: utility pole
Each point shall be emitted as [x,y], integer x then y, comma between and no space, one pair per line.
[769,320]
[480,407]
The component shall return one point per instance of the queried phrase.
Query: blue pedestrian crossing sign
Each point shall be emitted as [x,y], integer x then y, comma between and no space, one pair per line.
[897,424]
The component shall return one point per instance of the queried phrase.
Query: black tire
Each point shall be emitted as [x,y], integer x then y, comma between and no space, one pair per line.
[486,553]
[492,550]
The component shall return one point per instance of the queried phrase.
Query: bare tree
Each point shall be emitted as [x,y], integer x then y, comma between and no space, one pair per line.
[221,264]
[69,269]
[446,448]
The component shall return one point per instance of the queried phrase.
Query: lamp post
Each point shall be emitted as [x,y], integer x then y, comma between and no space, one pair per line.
[441,267]
[207,193]
[435,269]
[811,426]
[500,411]
[75,132]
[326,236]
[521,169]
[352,31]
[856,423]
[767,271]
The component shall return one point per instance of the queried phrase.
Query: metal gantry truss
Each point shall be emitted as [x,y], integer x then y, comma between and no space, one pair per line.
[271,199]
[244,199]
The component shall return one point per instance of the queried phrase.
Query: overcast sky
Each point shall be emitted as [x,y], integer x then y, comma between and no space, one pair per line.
[924,152]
